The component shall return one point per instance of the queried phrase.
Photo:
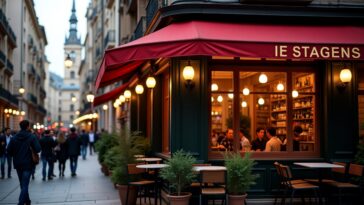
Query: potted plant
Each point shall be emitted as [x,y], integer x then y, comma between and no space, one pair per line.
[239,177]
[179,175]
[102,146]
[129,145]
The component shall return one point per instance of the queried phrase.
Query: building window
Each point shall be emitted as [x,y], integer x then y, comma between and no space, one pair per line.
[72,74]
[265,100]
[71,117]
[59,109]
[72,107]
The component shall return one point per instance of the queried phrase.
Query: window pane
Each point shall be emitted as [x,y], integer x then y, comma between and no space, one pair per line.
[222,121]
[303,112]
[221,81]
[263,81]
[361,117]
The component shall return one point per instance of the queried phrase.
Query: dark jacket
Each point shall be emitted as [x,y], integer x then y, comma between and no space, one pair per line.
[84,138]
[47,144]
[73,144]
[2,144]
[19,149]
[62,153]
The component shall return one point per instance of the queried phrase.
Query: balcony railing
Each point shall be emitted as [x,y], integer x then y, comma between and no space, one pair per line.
[139,30]
[109,40]
[32,98]
[8,96]
[10,66]
[6,26]
[31,69]
[42,110]
[43,93]
[2,57]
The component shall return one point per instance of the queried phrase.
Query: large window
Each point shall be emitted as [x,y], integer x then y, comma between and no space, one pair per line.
[274,111]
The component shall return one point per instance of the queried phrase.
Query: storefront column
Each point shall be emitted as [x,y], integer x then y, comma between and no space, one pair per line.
[189,108]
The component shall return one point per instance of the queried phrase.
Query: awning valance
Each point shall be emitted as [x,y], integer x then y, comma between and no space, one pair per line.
[110,95]
[200,38]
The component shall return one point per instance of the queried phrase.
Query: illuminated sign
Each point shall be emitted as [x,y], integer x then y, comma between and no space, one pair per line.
[317,52]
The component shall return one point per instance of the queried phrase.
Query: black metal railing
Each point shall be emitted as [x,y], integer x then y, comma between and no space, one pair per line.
[9,65]
[32,98]
[42,110]
[5,24]
[8,96]
[139,30]
[43,92]
[31,69]
[2,57]
[109,39]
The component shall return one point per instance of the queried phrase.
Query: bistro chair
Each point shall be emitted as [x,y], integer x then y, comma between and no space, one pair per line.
[197,183]
[135,178]
[213,184]
[355,183]
[281,182]
[291,186]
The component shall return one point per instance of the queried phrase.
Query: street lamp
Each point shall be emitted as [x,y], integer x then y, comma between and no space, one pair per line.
[68,61]
[90,98]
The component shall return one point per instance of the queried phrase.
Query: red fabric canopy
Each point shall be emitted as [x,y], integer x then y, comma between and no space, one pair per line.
[110,95]
[196,38]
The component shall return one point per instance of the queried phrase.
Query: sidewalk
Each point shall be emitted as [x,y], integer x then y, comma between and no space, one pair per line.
[90,186]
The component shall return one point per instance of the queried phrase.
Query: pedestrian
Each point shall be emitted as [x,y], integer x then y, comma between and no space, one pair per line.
[62,153]
[4,156]
[47,144]
[91,139]
[73,143]
[20,148]
[85,141]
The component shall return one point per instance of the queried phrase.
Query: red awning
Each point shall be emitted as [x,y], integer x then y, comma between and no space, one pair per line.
[110,95]
[196,38]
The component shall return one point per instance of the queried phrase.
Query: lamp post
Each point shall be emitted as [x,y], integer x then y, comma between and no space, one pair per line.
[139,89]
[90,98]
[151,82]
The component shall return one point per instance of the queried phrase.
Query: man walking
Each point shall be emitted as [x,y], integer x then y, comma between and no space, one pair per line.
[4,156]
[73,143]
[84,138]
[47,144]
[20,148]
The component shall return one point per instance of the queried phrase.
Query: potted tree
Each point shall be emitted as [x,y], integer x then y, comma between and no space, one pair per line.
[179,175]
[102,145]
[129,145]
[239,177]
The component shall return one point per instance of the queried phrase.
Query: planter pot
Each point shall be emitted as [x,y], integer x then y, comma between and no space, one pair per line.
[179,200]
[122,194]
[236,199]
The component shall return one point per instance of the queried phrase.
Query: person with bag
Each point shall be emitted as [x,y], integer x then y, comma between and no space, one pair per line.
[62,153]
[47,156]
[20,148]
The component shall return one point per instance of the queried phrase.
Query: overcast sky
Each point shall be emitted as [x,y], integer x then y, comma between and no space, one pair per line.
[54,15]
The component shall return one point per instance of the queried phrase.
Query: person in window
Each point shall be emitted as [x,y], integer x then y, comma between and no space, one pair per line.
[297,131]
[274,143]
[244,141]
[258,144]
[228,140]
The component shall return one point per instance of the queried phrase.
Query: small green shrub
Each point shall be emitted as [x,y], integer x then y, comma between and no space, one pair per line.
[179,172]
[239,173]
[105,142]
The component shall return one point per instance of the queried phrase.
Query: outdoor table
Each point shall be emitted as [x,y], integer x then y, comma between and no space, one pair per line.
[149,159]
[320,166]
[208,168]
[156,167]
[139,156]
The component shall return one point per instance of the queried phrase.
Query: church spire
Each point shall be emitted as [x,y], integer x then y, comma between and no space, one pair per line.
[72,37]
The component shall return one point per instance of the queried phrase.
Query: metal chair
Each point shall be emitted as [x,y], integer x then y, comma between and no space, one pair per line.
[135,178]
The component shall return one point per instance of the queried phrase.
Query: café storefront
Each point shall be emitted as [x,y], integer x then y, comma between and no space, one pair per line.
[243,79]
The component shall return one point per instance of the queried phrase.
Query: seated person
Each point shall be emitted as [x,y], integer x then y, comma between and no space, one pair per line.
[274,143]
[244,142]
[228,140]
[297,131]
[258,144]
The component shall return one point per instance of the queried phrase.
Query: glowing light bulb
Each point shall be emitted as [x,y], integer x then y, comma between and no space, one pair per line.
[263,78]
[246,91]
[214,87]
[280,87]
[294,93]
[261,101]
[244,104]
[220,98]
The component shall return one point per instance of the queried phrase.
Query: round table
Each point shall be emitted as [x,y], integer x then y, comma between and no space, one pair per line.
[151,166]
[208,168]
[149,159]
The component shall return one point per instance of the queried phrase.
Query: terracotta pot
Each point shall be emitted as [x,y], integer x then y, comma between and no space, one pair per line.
[184,199]
[122,194]
[236,199]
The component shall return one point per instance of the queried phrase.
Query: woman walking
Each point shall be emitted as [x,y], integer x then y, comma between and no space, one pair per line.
[62,153]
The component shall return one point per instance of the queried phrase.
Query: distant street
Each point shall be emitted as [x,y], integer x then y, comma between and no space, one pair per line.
[89,187]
